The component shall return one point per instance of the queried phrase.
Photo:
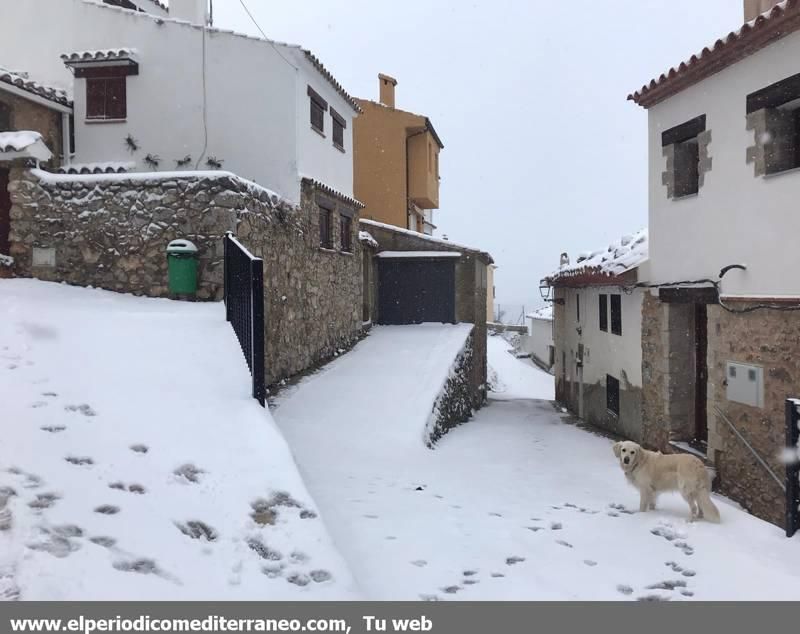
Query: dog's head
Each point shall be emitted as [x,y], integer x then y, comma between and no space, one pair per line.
[628,454]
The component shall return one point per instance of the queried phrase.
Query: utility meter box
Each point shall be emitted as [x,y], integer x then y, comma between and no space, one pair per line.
[745,384]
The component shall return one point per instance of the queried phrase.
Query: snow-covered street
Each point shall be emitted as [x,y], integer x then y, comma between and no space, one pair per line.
[134,465]
[516,504]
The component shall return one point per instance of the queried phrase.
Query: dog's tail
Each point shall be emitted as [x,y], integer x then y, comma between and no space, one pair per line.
[708,508]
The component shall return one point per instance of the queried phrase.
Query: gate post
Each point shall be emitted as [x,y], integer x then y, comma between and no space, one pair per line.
[792,468]
[259,379]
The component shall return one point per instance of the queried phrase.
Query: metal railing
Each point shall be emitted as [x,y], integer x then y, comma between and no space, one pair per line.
[244,308]
[792,467]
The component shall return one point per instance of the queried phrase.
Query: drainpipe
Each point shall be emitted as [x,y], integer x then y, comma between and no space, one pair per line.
[65,136]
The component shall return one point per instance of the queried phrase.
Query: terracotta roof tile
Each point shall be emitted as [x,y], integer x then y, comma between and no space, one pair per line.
[767,28]
[55,95]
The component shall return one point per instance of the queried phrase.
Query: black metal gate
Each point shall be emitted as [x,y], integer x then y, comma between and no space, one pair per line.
[792,467]
[244,308]
[413,290]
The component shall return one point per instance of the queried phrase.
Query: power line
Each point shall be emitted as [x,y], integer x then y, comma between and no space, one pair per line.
[264,35]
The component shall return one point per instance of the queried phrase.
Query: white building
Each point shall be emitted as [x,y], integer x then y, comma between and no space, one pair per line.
[538,343]
[158,91]
[597,334]
[722,356]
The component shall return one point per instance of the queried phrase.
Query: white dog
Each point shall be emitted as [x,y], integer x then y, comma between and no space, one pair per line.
[653,472]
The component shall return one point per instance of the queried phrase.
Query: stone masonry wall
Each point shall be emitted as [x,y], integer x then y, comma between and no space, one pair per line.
[455,403]
[771,340]
[111,232]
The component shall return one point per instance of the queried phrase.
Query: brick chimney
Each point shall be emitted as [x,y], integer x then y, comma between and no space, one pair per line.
[754,8]
[193,11]
[386,85]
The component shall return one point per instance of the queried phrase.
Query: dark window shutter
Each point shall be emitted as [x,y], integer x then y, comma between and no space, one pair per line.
[325,228]
[116,98]
[317,116]
[616,314]
[346,233]
[95,98]
[338,134]
[5,117]
[604,312]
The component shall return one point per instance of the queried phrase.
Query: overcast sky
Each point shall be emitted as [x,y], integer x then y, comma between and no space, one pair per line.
[542,154]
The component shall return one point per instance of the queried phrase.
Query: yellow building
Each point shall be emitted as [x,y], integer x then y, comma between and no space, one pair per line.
[395,162]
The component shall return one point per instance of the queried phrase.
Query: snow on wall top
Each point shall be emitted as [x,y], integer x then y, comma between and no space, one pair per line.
[366,237]
[621,256]
[542,314]
[18,141]
[419,254]
[22,81]
[422,236]
[108,167]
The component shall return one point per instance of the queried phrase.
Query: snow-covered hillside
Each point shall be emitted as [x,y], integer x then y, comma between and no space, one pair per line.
[134,463]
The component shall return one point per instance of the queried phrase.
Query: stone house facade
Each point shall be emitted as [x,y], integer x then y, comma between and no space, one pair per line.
[111,231]
[720,340]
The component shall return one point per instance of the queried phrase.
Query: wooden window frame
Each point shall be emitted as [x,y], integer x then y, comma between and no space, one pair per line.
[612,394]
[317,109]
[325,228]
[338,128]
[603,311]
[345,233]
[616,314]
[578,307]
[102,80]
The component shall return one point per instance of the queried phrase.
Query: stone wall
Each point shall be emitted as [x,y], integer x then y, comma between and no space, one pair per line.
[455,403]
[668,372]
[771,340]
[111,231]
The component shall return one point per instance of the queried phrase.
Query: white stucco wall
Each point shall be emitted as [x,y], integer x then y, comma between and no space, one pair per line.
[539,339]
[253,93]
[604,353]
[736,218]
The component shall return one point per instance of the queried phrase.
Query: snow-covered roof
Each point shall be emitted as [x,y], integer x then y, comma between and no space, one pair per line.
[542,314]
[366,238]
[418,254]
[23,82]
[23,144]
[109,167]
[781,20]
[621,256]
[100,55]
[423,236]
[333,192]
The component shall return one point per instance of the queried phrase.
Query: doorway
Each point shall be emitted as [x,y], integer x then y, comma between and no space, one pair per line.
[5,212]
[701,374]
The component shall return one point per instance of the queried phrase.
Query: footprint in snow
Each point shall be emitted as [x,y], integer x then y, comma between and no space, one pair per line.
[513,560]
[49,394]
[563,543]
[305,514]
[620,508]
[320,576]
[589,562]
[105,542]
[140,566]
[53,429]
[39,404]
[652,598]
[451,589]
[198,530]
[263,551]
[623,589]
[429,597]
[371,517]
[678,568]
[298,579]
[297,557]
[497,575]
[83,408]
[495,514]
[189,472]
[556,526]
[667,585]
[470,573]
[79,461]
[470,582]
[44,501]
[535,529]
[139,448]
[419,563]
[107,509]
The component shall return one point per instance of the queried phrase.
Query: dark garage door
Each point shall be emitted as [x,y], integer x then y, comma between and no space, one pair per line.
[412,291]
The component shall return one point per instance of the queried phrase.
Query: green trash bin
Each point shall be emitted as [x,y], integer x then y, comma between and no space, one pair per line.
[182,267]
